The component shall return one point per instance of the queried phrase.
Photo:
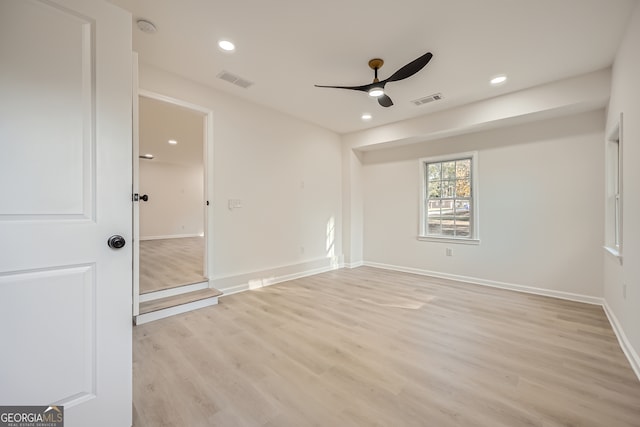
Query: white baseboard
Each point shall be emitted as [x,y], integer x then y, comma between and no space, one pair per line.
[492,283]
[234,284]
[230,285]
[627,348]
[625,344]
[170,236]
[354,264]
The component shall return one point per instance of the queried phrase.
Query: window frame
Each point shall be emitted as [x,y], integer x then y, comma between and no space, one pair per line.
[614,191]
[474,219]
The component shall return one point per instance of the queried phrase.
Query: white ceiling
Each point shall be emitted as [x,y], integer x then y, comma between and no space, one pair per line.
[161,121]
[287,46]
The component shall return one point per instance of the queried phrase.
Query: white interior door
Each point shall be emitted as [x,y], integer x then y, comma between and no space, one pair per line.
[135,164]
[65,188]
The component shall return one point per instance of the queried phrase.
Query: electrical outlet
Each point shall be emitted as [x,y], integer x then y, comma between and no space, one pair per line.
[624,291]
[301,250]
[449,252]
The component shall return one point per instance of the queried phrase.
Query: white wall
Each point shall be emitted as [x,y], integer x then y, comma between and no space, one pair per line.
[625,98]
[176,200]
[352,206]
[570,96]
[540,217]
[286,172]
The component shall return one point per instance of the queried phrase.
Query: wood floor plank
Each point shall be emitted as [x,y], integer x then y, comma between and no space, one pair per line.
[369,347]
[168,263]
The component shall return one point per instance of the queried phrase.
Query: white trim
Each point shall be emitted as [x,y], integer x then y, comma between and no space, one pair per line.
[172,311]
[171,292]
[475,196]
[172,236]
[614,238]
[625,344]
[235,289]
[613,252]
[159,97]
[459,241]
[354,264]
[627,348]
[135,172]
[492,283]
[208,148]
[631,354]
[261,279]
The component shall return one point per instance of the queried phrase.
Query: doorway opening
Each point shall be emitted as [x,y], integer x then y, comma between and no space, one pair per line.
[171,187]
[171,222]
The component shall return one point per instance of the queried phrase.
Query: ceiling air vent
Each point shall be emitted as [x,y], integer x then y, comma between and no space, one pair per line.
[236,80]
[428,99]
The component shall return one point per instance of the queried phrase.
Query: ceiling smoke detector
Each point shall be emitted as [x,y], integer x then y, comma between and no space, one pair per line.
[146,26]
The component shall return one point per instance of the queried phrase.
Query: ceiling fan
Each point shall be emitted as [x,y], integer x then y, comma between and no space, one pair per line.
[376,89]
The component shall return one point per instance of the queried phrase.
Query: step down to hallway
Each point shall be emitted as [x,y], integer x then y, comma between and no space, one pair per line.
[169,306]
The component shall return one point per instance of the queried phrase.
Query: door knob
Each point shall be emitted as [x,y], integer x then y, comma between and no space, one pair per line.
[116,242]
[144,197]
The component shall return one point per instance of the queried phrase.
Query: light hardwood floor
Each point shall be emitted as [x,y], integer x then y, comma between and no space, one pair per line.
[369,347]
[167,263]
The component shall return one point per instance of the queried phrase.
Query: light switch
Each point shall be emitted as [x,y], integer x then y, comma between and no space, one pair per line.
[235,204]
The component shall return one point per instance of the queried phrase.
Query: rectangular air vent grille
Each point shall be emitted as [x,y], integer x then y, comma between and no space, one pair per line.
[428,99]
[236,80]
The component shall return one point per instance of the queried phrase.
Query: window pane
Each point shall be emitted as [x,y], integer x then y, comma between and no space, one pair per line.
[448,170]
[447,217]
[448,188]
[463,187]
[434,226]
[434,171]
[462,228]
[448,223]
[434,190]
[463,218]
[434,216]
[463,168]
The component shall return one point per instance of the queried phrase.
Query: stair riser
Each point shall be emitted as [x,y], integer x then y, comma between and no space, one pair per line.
[172,311]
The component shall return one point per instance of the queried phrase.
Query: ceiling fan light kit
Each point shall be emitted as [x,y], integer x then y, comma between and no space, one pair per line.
[376,92]
[376,89]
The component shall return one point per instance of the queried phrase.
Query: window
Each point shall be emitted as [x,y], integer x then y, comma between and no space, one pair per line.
[448,209]
[613,210]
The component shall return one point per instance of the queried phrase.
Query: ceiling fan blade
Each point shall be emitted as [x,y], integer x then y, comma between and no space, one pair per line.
[363,88]
[411,68]
[385,101]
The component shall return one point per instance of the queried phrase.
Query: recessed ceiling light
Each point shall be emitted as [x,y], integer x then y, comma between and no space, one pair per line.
[146,26]
[366,116]
[498,80]
[172,142]
[226,45]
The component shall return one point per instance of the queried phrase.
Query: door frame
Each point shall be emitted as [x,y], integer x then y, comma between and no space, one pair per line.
[208,184]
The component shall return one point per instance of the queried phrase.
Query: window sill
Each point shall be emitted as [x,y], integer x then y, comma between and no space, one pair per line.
[614,253]
[449,240]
